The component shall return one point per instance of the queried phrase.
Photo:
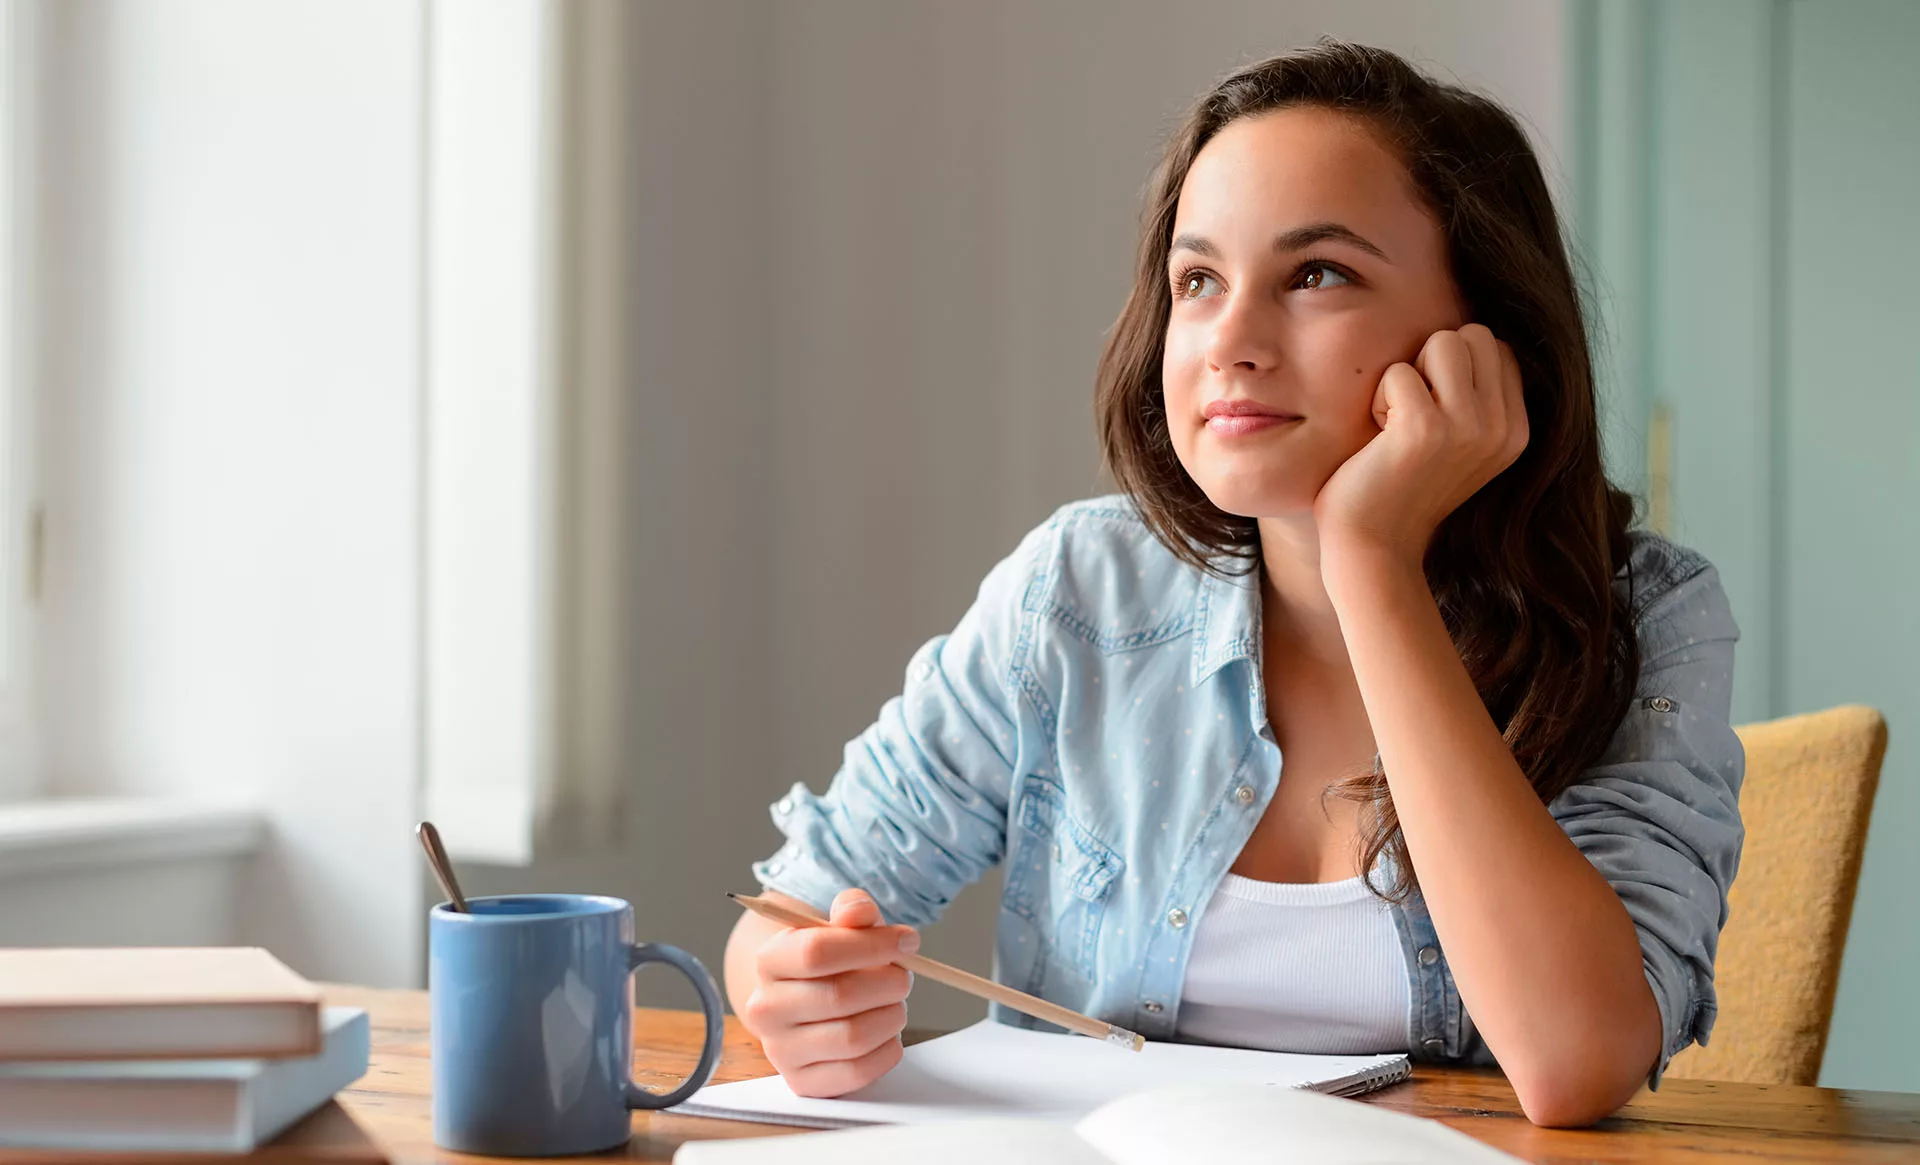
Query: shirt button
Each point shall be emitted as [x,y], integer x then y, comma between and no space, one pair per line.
[1660,704]
[1429,956]
[1244,794]
[786,804]
[1433,1047]
[1152,1007]
[773,867]
[1177,918]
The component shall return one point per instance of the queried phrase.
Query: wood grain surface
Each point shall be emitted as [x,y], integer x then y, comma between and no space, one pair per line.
[1688,1121]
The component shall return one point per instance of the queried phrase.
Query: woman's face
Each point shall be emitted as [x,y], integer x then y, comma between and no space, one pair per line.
[1303,265]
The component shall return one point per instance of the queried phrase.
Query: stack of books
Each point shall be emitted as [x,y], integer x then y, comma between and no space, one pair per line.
[165,1050]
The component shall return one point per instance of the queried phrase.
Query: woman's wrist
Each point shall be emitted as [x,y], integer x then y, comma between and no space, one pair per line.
[1352,568]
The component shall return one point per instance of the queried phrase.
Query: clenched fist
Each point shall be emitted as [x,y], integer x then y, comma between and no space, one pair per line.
[829,1002]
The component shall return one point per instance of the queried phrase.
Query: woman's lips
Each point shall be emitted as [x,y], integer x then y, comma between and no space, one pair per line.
[1228,426]
[1238,418]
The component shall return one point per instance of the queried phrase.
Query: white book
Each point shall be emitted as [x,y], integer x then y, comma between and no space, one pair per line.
[993,1070]
[178,1106]
[1196,1124]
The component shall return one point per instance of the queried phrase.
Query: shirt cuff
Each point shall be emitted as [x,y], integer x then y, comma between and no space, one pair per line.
[1686,1014]
[789,871]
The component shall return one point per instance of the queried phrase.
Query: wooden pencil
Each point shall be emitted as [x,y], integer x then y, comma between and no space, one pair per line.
[972,984]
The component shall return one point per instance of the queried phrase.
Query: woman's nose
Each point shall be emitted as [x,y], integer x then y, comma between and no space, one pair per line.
[1245,336]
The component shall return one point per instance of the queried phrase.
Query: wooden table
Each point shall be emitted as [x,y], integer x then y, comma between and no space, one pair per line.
[1687,1121]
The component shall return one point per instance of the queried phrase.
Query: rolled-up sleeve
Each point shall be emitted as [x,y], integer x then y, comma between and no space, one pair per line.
[1659,815]
[918,809]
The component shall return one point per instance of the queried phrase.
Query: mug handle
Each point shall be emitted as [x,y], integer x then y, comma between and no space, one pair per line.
[639,953]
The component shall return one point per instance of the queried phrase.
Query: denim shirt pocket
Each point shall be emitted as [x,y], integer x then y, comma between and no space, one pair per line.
[1059,875]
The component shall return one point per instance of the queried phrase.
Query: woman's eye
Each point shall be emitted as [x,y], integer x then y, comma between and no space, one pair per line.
[1315,276]
[1193,285]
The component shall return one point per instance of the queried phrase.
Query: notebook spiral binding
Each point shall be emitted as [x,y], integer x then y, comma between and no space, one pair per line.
[1379,1078]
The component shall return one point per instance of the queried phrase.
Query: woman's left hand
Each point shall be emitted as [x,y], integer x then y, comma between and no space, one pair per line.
[1449,423]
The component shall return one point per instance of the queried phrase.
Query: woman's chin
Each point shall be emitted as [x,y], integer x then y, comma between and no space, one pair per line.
[1260,499]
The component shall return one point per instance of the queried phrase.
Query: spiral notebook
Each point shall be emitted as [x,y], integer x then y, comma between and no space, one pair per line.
[994,1070]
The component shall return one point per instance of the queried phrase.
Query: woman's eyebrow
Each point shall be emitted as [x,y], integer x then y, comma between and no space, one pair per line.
[1297,239]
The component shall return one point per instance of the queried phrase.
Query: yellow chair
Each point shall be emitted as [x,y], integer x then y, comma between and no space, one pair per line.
[1808,793]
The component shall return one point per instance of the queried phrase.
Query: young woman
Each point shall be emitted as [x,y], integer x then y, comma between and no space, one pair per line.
[1360,722]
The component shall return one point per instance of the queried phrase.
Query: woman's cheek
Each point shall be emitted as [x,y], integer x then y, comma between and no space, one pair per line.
[1179,372]
[1363,388]
[1180,381]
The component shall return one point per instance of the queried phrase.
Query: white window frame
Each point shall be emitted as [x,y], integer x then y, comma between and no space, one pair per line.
[485,427]
[523,318]
[21,528]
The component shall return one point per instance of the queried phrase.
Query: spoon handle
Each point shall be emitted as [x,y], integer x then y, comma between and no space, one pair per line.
[442,868]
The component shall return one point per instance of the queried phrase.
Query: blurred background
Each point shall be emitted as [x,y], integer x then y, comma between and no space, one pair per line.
[564,420]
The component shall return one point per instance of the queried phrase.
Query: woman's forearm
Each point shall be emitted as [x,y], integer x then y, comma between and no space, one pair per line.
[1543,952]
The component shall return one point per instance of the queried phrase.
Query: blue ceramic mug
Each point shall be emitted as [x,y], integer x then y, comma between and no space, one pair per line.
[532,1024]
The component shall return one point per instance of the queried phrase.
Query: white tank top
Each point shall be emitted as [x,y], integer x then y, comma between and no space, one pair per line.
[1296,968]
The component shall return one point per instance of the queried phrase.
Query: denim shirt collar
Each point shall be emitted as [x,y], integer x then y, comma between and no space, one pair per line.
[1226,623]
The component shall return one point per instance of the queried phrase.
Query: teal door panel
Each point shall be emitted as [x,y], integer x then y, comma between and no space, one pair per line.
[1749,203]
[1849,455]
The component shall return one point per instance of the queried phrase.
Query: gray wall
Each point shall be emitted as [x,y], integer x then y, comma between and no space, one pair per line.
[875,250]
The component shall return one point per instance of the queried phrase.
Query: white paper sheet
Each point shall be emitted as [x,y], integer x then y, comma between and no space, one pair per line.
[981,1142]
[1220,1125]
[1197,1125]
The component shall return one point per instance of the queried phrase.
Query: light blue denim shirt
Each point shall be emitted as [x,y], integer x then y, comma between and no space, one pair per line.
[1098,722]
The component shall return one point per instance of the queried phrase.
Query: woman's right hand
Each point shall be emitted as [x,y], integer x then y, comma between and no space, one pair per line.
[830,1004]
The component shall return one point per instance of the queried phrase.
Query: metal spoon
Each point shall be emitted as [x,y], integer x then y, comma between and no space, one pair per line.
[442,868]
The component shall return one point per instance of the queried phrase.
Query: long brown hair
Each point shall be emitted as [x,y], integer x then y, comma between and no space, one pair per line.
[1523,570]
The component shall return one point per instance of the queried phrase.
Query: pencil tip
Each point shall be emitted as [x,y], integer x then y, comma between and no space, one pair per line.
[733,896]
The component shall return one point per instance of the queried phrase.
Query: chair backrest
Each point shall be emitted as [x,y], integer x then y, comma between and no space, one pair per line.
[1808,793]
